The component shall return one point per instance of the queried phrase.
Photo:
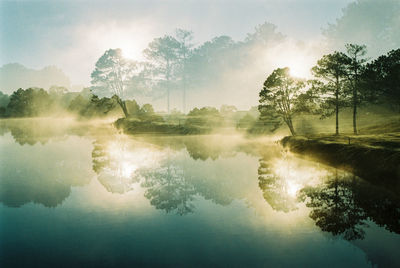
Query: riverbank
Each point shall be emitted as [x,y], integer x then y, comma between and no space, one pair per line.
[133,126]
[373,157]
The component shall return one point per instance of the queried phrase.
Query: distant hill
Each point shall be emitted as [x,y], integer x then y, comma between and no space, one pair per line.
[15,75]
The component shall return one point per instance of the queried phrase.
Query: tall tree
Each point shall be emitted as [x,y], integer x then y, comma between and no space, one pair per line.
[211,59]
[332,68]
[280,94]
[185,50]
[356,53]
[381,78]
[112,76]
[163,56]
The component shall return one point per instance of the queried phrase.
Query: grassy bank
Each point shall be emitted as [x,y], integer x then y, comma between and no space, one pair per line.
[373,157]
[134,126]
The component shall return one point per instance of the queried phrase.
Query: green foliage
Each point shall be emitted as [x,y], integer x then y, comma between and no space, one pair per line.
[204,117]
[29,103]
[355,67]
[332,69]
[381,77]
[4,99]
[112,76]
[137,126]
[94,107]
[268,121]
[246,121]
[279,96]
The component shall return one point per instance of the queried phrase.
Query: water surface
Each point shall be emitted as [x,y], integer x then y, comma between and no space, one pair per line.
[74,194]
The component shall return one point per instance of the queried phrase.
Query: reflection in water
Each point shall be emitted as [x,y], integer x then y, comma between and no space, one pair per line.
[211,178]
[159,165]
[343,204]
[176,171]
[115,175]
[281,177]
[340,203]
[334,208]
[168,189]
[118,162]
[277,191]
[40,174]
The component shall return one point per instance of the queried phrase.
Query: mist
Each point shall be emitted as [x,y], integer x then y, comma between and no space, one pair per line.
[87,35]
[172,133]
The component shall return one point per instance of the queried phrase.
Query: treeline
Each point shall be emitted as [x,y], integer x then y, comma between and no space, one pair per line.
[36,102]
[175,63]
[341,79]
[58,101]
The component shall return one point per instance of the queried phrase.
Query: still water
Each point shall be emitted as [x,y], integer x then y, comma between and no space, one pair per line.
[80,195]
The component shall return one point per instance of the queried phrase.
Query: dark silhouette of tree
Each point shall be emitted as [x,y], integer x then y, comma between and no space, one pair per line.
[4,100]
[356,54]
[112,76]
[94,106]
[280,96]
[343,204]
[162,53]
[334,208]
[380,203]
[332,68]
[381,78]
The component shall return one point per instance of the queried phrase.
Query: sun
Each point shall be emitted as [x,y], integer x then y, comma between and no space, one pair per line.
[297,69]
[130,50]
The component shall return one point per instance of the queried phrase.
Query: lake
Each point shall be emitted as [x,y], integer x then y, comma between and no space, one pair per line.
[74,194]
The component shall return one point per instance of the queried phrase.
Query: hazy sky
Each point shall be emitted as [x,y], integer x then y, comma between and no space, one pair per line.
[74,34]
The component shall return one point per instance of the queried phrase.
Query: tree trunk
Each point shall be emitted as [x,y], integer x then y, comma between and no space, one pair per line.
[124,109]
[290,125]
[337,106]
[355,110]
[123,106]
[355,102]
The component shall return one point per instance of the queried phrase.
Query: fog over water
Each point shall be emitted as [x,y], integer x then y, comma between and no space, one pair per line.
[139,199]
[172,133]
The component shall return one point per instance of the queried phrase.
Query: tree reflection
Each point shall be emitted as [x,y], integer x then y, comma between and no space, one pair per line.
[168,189]
[114,168]
[18,190]
[276,189]
[343,204]
[334,209]
[202,150]
[25,132]
[44,176]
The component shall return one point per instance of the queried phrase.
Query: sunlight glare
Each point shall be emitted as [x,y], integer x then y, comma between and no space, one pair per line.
[298,70]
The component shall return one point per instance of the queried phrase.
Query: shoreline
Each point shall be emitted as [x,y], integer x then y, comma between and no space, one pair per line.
[377,163]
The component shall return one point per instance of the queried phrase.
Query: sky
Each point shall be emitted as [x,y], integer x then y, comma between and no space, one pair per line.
[74,34]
